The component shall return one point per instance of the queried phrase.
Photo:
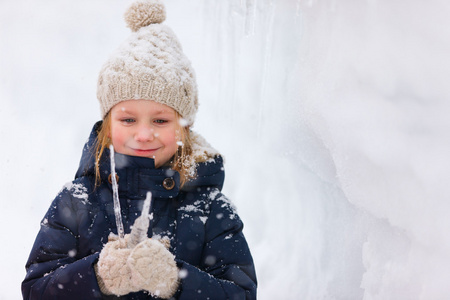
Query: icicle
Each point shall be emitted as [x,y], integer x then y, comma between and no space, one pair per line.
[268,44]
[250,18]
[115,187]
[140,226]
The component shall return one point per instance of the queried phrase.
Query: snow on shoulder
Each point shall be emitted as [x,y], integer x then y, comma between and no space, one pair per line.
[77,190]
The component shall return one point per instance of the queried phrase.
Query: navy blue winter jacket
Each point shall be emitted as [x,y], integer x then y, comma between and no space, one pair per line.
[203,227]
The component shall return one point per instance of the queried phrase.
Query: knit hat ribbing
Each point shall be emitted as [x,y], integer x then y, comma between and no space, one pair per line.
[149,65]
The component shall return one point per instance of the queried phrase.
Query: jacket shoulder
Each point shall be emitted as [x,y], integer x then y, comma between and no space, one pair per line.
[222,202]
[223,216]
[79,189]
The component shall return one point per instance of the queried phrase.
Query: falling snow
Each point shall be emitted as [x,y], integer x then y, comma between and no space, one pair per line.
[332,117]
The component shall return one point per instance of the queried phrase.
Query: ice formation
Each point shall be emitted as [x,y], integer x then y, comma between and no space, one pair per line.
[332,116]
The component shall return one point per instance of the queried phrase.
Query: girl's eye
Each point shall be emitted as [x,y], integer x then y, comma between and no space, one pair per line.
[160,121]
[128,121]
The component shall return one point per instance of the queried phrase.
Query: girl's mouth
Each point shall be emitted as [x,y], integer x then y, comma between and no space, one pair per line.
[145,152]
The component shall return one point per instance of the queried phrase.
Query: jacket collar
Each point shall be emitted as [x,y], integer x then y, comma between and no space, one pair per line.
[138,175]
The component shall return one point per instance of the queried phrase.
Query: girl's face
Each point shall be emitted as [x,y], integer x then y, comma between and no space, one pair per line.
[145,128]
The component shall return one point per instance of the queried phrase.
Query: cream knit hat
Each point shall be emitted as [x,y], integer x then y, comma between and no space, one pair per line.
[149,65]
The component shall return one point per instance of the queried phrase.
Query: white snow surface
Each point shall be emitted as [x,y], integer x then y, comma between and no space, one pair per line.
[333,117]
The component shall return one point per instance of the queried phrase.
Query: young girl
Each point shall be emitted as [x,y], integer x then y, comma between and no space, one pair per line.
[194,247]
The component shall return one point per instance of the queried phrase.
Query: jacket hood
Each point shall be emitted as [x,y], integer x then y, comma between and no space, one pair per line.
[139,171]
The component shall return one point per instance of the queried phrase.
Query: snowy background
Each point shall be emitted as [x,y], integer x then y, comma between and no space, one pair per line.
[333,117]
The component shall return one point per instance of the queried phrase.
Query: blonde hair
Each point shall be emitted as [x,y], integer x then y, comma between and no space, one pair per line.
[180,162]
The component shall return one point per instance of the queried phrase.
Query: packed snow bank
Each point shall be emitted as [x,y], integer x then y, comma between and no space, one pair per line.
[379,103]
[332,117]
[341,109]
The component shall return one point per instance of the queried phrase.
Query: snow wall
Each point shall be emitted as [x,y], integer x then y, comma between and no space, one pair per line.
[332,116]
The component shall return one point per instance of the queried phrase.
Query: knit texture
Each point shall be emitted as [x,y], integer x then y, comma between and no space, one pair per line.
[153,269]
[148,266]
[113,274]
[149,65]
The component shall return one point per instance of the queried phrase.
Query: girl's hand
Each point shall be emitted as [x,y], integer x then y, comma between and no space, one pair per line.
[113,274]
[153,269]
[148,266]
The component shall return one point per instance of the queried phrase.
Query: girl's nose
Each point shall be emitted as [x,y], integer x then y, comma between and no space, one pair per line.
[145,134]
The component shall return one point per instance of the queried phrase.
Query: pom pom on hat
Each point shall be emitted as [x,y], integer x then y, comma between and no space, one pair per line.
[143,13]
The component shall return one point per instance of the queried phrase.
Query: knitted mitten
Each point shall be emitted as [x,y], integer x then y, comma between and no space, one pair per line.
[113,274]
[153,269]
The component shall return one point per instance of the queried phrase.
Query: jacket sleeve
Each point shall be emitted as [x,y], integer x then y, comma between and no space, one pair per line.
[227,270]
[54,268]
